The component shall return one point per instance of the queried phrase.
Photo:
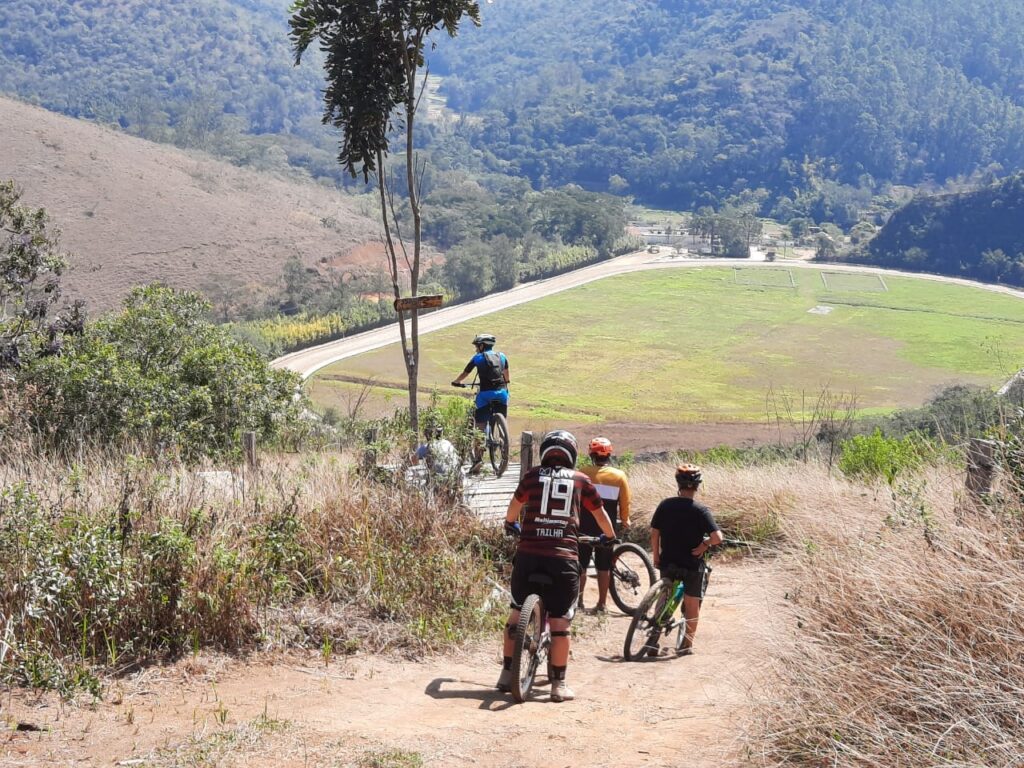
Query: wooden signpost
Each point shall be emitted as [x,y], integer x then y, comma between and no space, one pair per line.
[418,302]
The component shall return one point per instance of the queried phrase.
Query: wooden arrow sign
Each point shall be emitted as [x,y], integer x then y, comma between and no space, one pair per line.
[418,302]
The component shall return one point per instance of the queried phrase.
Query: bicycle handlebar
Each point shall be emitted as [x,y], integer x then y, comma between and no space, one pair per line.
[596,540]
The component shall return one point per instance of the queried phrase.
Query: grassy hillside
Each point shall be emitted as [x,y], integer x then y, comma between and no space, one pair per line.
[132,211]
[706,344]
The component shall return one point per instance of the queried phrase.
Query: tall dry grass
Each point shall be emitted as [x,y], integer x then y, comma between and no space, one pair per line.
[907,649]
[110,562]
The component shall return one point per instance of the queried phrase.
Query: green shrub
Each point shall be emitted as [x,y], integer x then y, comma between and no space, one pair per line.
[874,456]
[160,375]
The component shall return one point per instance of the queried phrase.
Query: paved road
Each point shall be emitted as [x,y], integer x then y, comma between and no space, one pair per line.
[308,361]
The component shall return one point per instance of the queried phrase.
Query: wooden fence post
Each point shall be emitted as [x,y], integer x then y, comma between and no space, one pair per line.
[249,450]
[525,453]
[981,467]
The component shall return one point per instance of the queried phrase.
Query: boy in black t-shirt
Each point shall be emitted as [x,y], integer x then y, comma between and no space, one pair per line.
[682,530]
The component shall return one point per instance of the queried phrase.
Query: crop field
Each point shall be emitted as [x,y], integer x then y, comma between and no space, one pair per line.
[695,345]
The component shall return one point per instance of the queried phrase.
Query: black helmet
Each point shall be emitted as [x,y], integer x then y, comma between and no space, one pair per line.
[484,339]
[688,476]
[559,445]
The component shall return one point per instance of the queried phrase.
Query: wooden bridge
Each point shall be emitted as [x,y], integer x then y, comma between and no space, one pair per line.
[488,496]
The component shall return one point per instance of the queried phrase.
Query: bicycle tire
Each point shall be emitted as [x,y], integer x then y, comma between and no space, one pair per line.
[681,635]
[643,628]
[632,575]
[530,648]
[497,444]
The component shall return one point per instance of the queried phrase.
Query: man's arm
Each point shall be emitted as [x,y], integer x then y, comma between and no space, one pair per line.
[713,540]
[604,521]
[504,372]
[656,546]
[514,508]
[624,503]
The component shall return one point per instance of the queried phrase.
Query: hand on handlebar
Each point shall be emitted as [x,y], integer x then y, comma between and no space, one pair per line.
[512,529]
[607,540]
[458,384]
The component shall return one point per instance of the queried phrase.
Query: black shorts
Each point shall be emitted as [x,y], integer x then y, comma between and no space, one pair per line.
[602,557]
[484,414]
[695,581]
[559,596]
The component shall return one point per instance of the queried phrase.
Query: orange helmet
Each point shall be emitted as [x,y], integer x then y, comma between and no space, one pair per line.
[688,475]
[601,446]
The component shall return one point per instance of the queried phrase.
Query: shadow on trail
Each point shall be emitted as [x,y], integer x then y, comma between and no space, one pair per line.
[490,698]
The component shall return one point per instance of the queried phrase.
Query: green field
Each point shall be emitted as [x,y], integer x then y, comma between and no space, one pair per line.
[707,344]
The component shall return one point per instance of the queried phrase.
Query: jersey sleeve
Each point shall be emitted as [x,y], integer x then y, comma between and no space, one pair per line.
[656,517]
[589,497]
[710,526]
[624,510]
[522,493]
[470,366]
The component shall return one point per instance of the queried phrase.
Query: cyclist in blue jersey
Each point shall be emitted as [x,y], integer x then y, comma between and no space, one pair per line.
[492,371]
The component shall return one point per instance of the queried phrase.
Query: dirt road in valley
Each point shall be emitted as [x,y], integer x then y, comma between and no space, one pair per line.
[297,712]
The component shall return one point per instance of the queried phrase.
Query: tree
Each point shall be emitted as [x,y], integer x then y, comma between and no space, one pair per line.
[159,374]
[374,54]
[31,265]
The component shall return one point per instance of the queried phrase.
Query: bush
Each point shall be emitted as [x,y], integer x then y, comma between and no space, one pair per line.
[160,375]
[115,563]
[874,456]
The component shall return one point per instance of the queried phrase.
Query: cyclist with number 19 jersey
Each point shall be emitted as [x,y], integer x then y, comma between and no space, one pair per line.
[550,498]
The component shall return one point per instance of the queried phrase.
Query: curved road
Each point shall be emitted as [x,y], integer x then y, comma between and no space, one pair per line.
[308,361]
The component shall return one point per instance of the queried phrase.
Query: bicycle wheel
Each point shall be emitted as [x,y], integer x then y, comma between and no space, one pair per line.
[531,648]
[497,444]
[681,635]
[644,631]
[632,575]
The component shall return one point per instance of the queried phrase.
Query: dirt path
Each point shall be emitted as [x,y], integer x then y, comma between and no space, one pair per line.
[373,711]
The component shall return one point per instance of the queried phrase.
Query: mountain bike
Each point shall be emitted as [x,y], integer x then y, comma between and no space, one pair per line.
[495,438]
[533,635]
[654,618]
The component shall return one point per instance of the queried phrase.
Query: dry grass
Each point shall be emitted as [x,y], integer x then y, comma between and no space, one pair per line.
[134,212]
[908,648]
[111,562]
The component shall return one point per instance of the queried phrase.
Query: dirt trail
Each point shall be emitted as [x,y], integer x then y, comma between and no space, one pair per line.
[374,711]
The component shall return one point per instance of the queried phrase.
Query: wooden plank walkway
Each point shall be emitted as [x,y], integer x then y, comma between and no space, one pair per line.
[488,496]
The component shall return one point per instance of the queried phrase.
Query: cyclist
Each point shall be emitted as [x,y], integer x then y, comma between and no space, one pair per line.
[550,497]
[611,483]
[682,531]
[492,370]
[442,460]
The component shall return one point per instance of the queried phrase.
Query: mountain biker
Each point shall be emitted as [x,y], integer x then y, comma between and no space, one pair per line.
[550,497]
[611,483]
[492,370]
[682,531]
[441,458]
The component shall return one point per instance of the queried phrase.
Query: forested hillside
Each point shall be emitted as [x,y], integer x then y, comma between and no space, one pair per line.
[976,234]
[806,107]
[681,102]
[206,74]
